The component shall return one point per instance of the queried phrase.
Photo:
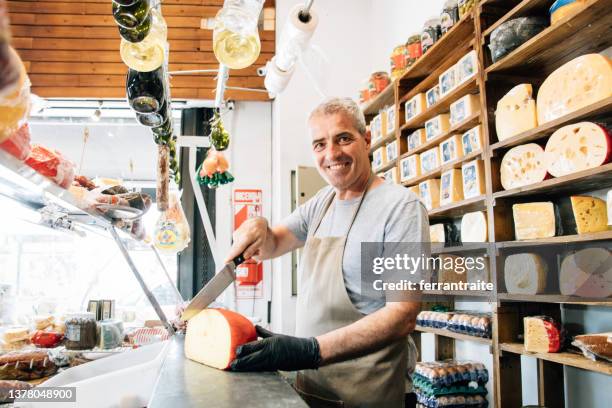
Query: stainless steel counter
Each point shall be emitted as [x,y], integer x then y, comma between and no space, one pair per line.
[185,383]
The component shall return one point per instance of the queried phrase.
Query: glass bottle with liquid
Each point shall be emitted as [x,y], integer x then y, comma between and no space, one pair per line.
[146,91]
[148,54]
[154,119]
[235,38]
[133,19]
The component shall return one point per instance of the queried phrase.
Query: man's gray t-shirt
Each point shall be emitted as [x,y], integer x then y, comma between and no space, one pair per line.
[389,213]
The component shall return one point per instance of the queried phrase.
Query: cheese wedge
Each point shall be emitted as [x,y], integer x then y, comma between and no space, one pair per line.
[581,82]
[542,334]
[534,220]
[474,227]
[473,177]
[410,167]
[587,273]
[525,274]
[516,112]
[415,106]
[590,214]
[523,165]
[416,139]
[451,187]
[429,191]
[577,147]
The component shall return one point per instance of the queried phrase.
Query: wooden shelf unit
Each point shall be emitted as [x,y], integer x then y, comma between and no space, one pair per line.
[584,32]
[453,335]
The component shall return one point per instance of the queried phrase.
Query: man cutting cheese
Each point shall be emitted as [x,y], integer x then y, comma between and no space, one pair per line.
[349,347]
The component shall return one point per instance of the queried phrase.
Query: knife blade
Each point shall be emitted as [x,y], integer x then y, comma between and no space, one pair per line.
[212,289]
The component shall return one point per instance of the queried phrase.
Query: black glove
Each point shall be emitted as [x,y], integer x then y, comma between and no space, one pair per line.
[277,352]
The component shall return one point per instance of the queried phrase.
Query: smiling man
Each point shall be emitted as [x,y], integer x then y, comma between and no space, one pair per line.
[352,348]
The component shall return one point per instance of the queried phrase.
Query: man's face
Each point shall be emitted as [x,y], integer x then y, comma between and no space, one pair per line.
[340,151]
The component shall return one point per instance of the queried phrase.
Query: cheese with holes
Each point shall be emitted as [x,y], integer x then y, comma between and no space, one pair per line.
[432,96]
[416,139]
[390,120]
[523,165]
[391,149]
[448,81]
[429,191]
[525,274]
[213,335]
[379,158]
[451,187]
[516,112]
[451,149]
[590,214]
[542,334]
[464,108]
[587,273]
[579,83]
[445,233]
[437,126]
[471,141]
[474,227]
[467,67]
[534,220]
[410,167]
[430,160]
[473,177]
[415,106]
[376,128]
[577,147]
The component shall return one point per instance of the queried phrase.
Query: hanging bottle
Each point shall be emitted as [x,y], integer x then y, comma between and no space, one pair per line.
[235,38]
[154,119]
[148,54]
[146,91]
[133,18]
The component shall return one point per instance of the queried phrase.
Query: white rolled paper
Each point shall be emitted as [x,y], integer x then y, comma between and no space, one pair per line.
[295,37]
[276,79]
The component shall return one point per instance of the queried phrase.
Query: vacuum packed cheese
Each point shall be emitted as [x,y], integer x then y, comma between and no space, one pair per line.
[525,274]
[523,165]
[595,346]
[213,335]
[451,149]
[542,334]
[587,273]
[415,106]
[534,220]
[473,177]
[590,214]
[576,84]
[516,112]
[430,160]
[577,147]
[416,139]
[432,96]
[474,227]
[410,167]
[513,33]
[437,126]
[451,187]
[471,141]
[51,164]
[464,108]
[429,191]
[444,233]
[18,144]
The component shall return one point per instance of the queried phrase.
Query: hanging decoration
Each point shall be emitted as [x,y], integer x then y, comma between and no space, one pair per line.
[213,171]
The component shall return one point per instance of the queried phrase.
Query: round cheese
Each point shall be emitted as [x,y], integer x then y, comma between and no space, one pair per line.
[577,147]
[474,227]
[525,274]
[523,165]
[587,273]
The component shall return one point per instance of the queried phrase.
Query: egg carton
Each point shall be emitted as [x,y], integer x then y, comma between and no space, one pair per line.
[450,372]
[452,401]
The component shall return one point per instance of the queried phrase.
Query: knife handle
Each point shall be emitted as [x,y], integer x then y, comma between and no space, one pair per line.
[238,260]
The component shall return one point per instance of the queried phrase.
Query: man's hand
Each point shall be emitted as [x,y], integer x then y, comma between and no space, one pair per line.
[251,239]
[277,352]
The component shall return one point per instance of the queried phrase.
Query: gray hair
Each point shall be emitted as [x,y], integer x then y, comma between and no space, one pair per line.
[347,106]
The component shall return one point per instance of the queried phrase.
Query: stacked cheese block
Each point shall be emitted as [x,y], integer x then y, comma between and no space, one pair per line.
[473,229]
[575,147]
[383,126]
[454,184]
[451,384]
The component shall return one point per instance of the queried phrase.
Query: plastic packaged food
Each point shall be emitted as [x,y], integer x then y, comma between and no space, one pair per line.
[595,346]
[414,49]
[453,401]
[514,33]
[26,365]
[565,8]
[46,339]
[431,33]
[51,164]
[18,144]
[449,16]
[172,233]
[81,331]
[465,6]
[470,323]
[15,102]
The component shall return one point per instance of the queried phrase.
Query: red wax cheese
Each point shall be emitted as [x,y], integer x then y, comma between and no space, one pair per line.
[577,147]
[213,335]
[542,334]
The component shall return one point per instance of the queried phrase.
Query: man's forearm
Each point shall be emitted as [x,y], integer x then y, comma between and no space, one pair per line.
[368,334]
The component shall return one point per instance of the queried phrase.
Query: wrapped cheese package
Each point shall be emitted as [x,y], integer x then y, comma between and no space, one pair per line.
[172,233]
[595,346]
[18,144]
[51,164]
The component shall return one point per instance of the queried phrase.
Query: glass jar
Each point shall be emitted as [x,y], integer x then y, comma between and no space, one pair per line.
[449,16]
[81,331]
[413,48]
[235,38]
[379,80]
[431,33]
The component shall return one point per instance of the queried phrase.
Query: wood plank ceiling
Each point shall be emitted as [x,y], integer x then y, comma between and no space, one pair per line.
[71,49]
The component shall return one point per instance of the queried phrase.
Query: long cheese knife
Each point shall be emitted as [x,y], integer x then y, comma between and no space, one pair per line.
[213,288]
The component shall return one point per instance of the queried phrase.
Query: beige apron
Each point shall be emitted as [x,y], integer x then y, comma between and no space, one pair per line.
[323,305]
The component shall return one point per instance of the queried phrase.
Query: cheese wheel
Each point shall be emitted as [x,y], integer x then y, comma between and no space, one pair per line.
[580,82]
[523,165]
[516,112]
[542,334]
[213,335]
[525,274]
[587,273]
[474,227]
[577,147]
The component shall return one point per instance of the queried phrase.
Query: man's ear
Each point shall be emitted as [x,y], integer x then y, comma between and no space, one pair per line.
[368,138]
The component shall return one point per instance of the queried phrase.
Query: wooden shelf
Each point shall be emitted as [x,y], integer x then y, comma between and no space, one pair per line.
[453,335]
[437,172]
[387,166]
[594,111]
[460,293]
[587,180]
[470,247]
[586,31]
[565,358]
[467,124]
[524,8]
[383,141]
[552,298]
[443,105]
[458,209]
[561,240]
[385,98]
